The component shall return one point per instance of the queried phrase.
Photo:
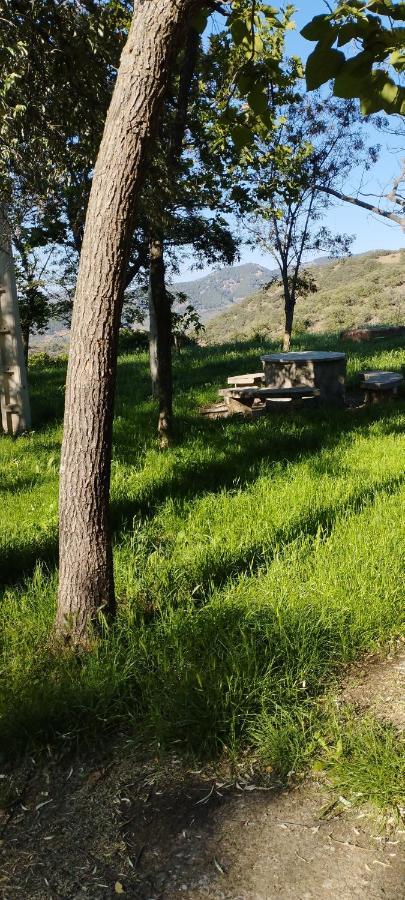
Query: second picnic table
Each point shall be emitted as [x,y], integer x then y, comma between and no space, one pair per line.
[321,369]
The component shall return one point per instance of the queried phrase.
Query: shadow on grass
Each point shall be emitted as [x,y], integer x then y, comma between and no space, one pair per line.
[218,571]
[14,483]
[188,482]
[47,390]
[241,446]
[204,678]
[19,563]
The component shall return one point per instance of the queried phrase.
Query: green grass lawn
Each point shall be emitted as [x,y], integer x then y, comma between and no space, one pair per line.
[252,561]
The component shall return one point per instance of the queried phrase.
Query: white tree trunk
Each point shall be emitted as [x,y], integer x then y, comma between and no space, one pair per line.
[14,397]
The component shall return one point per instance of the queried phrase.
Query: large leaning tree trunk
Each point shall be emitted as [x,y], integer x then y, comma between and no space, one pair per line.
[160,340]
[86,584]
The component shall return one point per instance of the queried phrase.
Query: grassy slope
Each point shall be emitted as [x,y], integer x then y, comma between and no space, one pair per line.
[360,289]
[251,561]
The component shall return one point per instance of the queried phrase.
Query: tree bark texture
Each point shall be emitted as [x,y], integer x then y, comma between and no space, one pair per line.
[86,583]
[160,341]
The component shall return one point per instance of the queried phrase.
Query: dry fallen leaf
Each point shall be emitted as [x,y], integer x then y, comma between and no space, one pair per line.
[118,887]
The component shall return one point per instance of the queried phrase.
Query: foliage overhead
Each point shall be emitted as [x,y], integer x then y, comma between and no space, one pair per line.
[250,56]
[374,31]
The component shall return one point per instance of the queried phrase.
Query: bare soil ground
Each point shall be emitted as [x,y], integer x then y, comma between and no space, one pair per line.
[79,826]
[378,686]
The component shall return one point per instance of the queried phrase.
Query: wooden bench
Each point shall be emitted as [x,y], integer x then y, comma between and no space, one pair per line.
[242,399]
[254,379]
[380,386]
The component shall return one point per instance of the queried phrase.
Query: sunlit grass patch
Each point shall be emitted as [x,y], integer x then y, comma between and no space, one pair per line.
[365,762]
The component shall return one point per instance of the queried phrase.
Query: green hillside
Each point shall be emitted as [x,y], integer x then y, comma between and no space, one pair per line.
[367,289]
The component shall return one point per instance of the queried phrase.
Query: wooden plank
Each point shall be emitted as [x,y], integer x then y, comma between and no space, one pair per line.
[249,380]
[263,393]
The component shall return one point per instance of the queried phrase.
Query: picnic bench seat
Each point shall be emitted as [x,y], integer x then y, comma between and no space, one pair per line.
[242,399]
[379,386]
[250,380]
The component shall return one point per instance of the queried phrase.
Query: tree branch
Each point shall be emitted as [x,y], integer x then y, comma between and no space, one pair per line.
[356,202]
[140,261]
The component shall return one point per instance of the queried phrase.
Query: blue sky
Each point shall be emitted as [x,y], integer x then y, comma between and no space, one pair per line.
[371,231]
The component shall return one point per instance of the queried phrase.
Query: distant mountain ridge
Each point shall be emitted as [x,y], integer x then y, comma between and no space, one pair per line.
[219,290]
[216,292]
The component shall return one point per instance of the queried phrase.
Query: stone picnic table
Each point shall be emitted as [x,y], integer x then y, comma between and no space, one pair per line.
[320,369]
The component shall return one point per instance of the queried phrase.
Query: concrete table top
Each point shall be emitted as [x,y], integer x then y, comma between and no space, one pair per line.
[304,356]
[321,369]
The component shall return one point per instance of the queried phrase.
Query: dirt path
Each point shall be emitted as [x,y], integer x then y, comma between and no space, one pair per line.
[83,828]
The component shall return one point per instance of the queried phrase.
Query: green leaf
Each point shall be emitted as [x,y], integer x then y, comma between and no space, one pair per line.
[348,87]
[257,100]
[389,92]
[380,93]
[240,32]
[370,104]
[322,65]
[388,8]
[353,78]
[246,82]
[397,59]
[349,31]
[241,136]
[317,29]
[359,66]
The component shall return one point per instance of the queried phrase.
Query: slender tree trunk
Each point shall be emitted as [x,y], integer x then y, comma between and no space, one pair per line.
[153,337]
[161,341]
[191,52]
[289,306]
[86,583]
[15,415]
[25,327]
[25,333]
[160,330]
